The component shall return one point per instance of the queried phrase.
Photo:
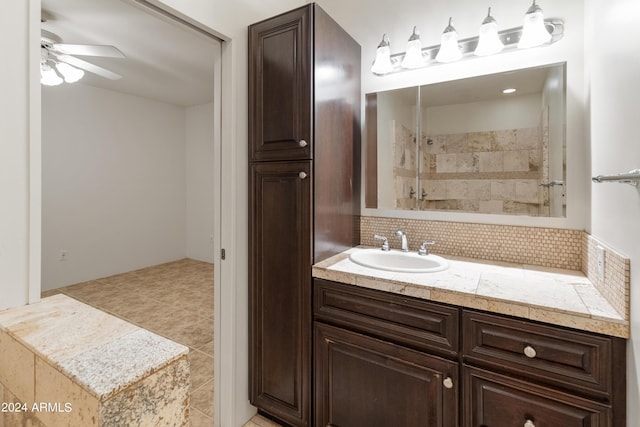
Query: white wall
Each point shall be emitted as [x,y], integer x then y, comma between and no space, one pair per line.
[511,113]
[199,182]
[114,183]
[15,145]
[614,66]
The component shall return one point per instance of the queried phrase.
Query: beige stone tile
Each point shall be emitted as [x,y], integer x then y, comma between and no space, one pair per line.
[516,161]
[201,368]
[491,161]
[18,418]
[198,419]
[527,191]
[192,335]
[53,386]
[17,368]
[491,206]
[260,421]
[207,348]
[446,163]
[202,399]
[479,141]
[503,190]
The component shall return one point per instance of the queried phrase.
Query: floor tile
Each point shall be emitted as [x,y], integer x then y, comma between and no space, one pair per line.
[174,300]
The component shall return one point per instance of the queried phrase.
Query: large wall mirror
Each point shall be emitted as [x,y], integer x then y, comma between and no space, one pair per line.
[492,144]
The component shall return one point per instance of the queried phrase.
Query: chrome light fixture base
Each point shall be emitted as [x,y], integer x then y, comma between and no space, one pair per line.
[510,38]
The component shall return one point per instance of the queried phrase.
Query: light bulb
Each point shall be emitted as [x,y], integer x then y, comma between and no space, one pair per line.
[48,75]
[70,74]
[413,57]
[449,49]
[382,65]
[534,32]
[489,42]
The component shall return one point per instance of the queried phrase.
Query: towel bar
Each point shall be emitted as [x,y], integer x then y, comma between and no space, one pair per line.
[632,177]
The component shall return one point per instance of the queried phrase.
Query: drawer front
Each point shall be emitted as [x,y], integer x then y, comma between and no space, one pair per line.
[572,360]
[492,400]
[407,321]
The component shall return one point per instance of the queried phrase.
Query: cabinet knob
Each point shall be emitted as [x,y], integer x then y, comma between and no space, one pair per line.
[302,175]
[447,382]
[530,352]
[302,143]
[529,423]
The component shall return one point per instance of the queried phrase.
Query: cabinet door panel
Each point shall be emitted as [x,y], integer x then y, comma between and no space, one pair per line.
[492,400]
[280,87]
[280,289]
[362,381]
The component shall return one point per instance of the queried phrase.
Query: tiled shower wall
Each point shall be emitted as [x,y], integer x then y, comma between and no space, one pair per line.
[547,247]
[487,172]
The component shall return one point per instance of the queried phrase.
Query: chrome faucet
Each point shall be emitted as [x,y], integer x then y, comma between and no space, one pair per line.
[403,236]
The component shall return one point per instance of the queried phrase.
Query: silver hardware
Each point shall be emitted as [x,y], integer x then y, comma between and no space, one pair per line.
[529,423]
[552,184]
[423,247]
[223,253]
[302,175]
[403,236]
[302,143]
[632,177]
[385,242]
[423,195]
[447,382]
[530,352]
[412,192]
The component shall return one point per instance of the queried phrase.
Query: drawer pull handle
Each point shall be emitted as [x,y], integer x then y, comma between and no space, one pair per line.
[530,352]
[302,175]
[302,143]
[529,423]
[447,382]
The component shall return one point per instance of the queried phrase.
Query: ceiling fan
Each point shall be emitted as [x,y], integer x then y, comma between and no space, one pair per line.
[58,60]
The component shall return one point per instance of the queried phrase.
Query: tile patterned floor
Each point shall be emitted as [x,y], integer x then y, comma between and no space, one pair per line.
[174,300]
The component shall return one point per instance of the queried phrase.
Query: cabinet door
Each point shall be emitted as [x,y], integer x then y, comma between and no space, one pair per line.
[280,289]
[492,400]
[280,92]
[362,381]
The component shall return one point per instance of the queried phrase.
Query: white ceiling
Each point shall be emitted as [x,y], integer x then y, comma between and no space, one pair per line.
[165,61]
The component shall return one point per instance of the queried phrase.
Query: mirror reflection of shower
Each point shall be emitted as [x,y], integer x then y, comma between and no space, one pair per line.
[466,146]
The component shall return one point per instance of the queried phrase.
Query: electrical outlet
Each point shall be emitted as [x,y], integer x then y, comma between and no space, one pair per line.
[600,261]
[63,255]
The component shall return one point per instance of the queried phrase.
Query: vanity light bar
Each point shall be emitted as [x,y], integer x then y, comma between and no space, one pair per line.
[509,38]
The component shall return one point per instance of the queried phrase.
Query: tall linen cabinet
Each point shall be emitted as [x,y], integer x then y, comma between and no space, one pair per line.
[304,146]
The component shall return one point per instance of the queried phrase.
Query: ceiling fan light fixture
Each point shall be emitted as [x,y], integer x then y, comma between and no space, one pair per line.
[48,75]
[70,74]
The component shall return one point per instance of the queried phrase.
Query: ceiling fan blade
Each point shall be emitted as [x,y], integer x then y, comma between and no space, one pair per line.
[88,50]
[88,66]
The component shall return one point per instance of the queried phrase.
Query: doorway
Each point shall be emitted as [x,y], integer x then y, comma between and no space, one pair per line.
[92,249]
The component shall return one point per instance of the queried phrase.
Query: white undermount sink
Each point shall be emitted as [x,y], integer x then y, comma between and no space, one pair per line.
[395,260]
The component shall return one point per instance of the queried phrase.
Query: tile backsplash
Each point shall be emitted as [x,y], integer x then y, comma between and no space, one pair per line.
[547,247]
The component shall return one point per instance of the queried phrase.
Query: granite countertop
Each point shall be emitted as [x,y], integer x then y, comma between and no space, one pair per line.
[102,353]
[554,296]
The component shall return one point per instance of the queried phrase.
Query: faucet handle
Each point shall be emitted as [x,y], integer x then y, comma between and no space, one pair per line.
[385,242]
[423,247]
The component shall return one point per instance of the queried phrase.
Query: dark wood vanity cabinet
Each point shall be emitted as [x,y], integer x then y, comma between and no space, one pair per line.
[363,381]
[304,121]
[384,359]
[540,375]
